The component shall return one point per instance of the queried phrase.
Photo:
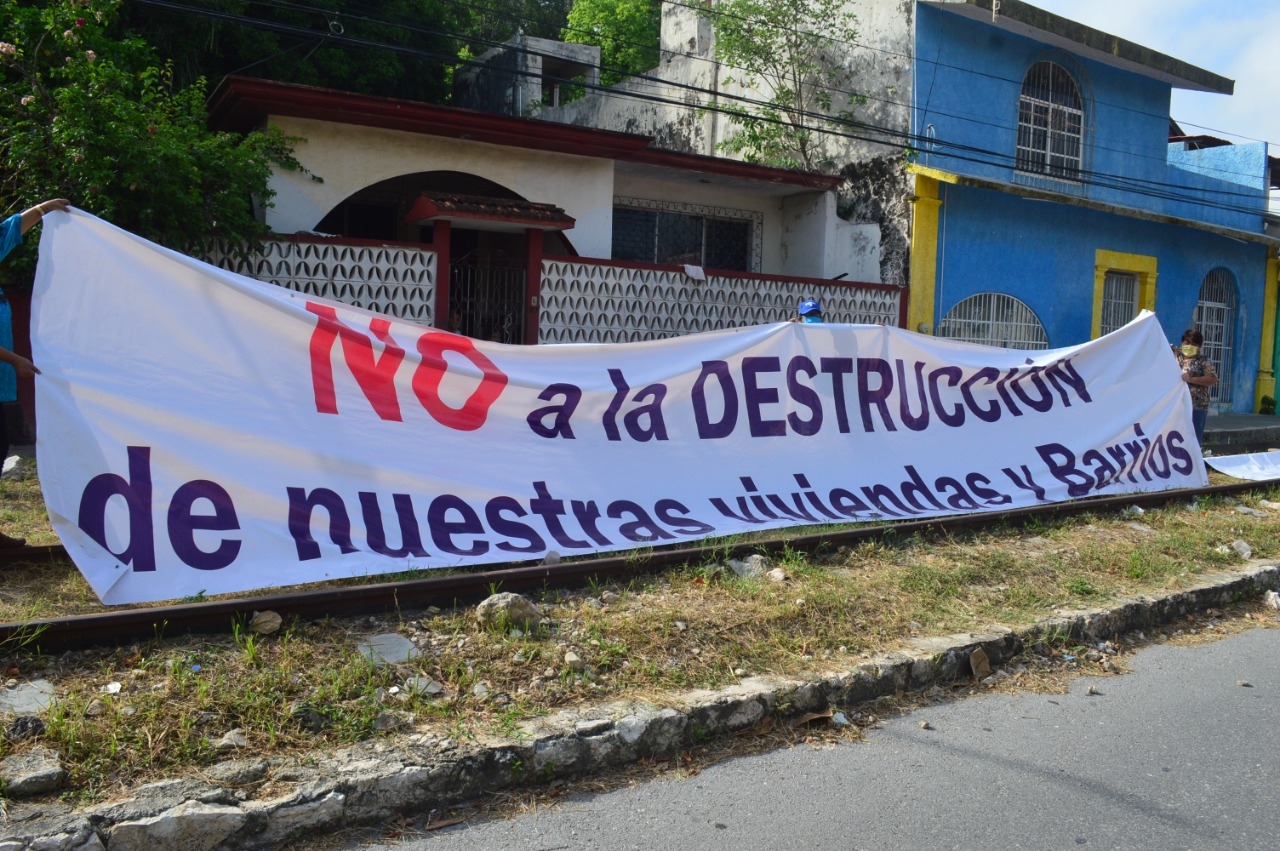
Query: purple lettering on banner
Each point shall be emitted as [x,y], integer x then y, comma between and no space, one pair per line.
[954,417]
[495,511]
[743,506]
[847,503]
[443,529]
[675,514]
[551,510]
[878,397]
[978,484]
[756,396]
[1138,451]
[1062,466]
[140,551]
[990,413]
[838,368]
[635,421]
[1003,390]
[561,413]
[915,487]
[814,500]
[1160,458]
[1025,481]
[708,430]
[375,531]
[587,513]
[301,506]
[1104,472]
[1044,400]
[879,495]
[620,388]
[914,422]
[641,528]
[955,494]
[1182,463]
[804,395]
[183,523]
[1118,455]
[1063,372]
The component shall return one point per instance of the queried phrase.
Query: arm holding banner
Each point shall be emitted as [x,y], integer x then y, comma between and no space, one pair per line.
[22,366]
[16,226]
[11,232]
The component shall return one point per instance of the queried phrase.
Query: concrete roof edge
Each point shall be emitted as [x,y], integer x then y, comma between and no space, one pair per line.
[1102,44]
[957,179]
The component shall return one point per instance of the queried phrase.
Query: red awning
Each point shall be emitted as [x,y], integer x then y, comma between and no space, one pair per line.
[488,213]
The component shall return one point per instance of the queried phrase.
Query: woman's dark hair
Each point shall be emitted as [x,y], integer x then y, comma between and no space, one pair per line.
[1193,337]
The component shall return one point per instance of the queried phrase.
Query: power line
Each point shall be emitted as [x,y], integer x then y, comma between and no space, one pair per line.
[985,156]
[969,117]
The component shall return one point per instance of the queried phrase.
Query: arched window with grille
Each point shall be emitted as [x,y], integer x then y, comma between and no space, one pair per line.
[1050,123]
[994,319]
[1215,318]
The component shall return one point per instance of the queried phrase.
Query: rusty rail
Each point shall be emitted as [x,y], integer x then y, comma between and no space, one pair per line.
[121,626]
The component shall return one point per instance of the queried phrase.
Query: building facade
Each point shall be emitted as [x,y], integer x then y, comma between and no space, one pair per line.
[1022,173]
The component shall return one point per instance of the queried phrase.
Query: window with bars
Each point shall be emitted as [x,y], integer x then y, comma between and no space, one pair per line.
[674,238]
[1119,300]
[1215,318]
[1050,123]
[994,319]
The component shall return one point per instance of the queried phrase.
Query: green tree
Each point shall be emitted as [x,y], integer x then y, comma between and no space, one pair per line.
[789,56]
[97,119]
[393,48]
[628,33]
[494,21]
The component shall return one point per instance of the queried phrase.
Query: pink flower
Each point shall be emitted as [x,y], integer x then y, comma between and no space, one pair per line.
[28,100]
[90,55]
[79,22]
[7,48]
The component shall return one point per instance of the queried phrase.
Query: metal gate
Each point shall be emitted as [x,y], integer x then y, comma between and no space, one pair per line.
[1215,317]
[487,297]
[994,319]
[1119,300]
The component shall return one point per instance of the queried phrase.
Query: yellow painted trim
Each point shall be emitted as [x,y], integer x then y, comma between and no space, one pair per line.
[1117,261]
[935,174]
[922,295]
[1266,384]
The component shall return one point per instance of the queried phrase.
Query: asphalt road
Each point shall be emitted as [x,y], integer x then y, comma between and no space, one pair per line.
[1177,755]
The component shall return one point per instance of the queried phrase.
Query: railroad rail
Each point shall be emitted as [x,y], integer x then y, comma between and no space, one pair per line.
[217,616]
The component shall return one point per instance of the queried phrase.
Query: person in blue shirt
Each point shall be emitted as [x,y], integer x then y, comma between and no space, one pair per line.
[12,230]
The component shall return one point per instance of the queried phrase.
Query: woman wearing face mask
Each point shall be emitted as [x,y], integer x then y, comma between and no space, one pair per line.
[1199,375]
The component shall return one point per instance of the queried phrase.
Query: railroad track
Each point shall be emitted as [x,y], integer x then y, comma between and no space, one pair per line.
[127,625]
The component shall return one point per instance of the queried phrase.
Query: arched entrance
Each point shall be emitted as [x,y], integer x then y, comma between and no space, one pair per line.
[489,239]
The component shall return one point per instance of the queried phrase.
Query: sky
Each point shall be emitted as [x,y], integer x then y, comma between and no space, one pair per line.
[1233,38]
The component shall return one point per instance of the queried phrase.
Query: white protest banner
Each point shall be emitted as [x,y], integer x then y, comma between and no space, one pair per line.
[200,431]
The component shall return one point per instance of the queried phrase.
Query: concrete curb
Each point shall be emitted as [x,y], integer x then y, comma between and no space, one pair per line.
[374,781]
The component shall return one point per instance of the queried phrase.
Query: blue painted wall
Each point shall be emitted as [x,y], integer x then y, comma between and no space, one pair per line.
[967,83]
[968,76]
[1044,254]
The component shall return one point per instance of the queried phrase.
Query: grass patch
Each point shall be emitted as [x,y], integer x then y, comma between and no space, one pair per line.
[127,715]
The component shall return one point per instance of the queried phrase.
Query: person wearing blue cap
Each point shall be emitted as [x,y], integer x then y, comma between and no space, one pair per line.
[809,312]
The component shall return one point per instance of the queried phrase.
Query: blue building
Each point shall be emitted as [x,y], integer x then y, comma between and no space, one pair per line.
[1054,198]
